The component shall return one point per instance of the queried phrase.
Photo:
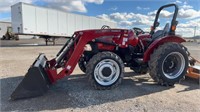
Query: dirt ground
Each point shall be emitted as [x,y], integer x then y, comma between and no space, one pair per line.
[137,93]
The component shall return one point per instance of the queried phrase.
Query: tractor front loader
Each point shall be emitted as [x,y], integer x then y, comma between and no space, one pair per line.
[103,53]
[43,73]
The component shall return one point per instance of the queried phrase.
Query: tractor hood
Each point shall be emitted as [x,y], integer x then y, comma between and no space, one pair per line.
[102,31]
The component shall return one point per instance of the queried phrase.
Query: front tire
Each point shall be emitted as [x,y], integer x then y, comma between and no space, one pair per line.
[168,64]
[105,70]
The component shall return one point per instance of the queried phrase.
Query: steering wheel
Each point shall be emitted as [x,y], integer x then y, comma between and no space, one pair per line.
[105,26]
[138,31]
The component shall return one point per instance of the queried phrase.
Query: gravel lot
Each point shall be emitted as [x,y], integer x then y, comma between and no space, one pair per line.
[136,93]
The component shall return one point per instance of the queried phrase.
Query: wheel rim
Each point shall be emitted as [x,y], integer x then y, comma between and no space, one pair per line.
[173,65]
[106,72]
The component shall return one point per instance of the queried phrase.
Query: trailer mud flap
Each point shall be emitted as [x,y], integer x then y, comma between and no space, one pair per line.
[35,82]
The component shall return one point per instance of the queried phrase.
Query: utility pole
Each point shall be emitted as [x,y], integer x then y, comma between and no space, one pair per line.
[195,30]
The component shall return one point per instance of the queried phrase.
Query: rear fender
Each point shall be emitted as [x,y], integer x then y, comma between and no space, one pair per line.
[159,42]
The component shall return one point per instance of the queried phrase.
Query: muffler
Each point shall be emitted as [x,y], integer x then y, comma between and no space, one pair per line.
[36,81]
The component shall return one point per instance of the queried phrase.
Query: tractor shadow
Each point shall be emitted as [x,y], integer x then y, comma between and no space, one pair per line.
[75,92]
[191,84]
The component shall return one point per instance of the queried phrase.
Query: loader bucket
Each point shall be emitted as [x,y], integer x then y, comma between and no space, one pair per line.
[35,82]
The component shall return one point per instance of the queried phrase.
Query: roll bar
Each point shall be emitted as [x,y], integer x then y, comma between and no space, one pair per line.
[173,22]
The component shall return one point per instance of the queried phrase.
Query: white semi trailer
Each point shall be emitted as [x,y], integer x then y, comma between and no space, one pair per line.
[28,19]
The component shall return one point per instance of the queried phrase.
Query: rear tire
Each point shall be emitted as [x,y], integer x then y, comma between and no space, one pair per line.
[105,70]
[168,64]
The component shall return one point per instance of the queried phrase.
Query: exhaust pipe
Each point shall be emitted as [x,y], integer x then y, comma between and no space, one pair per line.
[36,81]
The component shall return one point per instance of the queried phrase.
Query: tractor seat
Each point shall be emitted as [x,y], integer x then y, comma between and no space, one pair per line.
[161,33]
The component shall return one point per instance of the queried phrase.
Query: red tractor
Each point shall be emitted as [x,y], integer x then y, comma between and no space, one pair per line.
[102,54]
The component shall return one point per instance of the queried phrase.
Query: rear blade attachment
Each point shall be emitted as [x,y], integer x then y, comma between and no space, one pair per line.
[36,81]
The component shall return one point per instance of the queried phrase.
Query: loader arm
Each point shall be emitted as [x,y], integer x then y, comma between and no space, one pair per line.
[73,51]
[43,73]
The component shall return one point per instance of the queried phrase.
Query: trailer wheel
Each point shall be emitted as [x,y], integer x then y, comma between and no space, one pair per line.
[168,64]
[82,64]
[105,70]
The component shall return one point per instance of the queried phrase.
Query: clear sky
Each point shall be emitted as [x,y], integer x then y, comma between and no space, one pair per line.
[127,13]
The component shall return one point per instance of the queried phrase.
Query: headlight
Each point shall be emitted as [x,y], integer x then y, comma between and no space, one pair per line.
[88,47]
